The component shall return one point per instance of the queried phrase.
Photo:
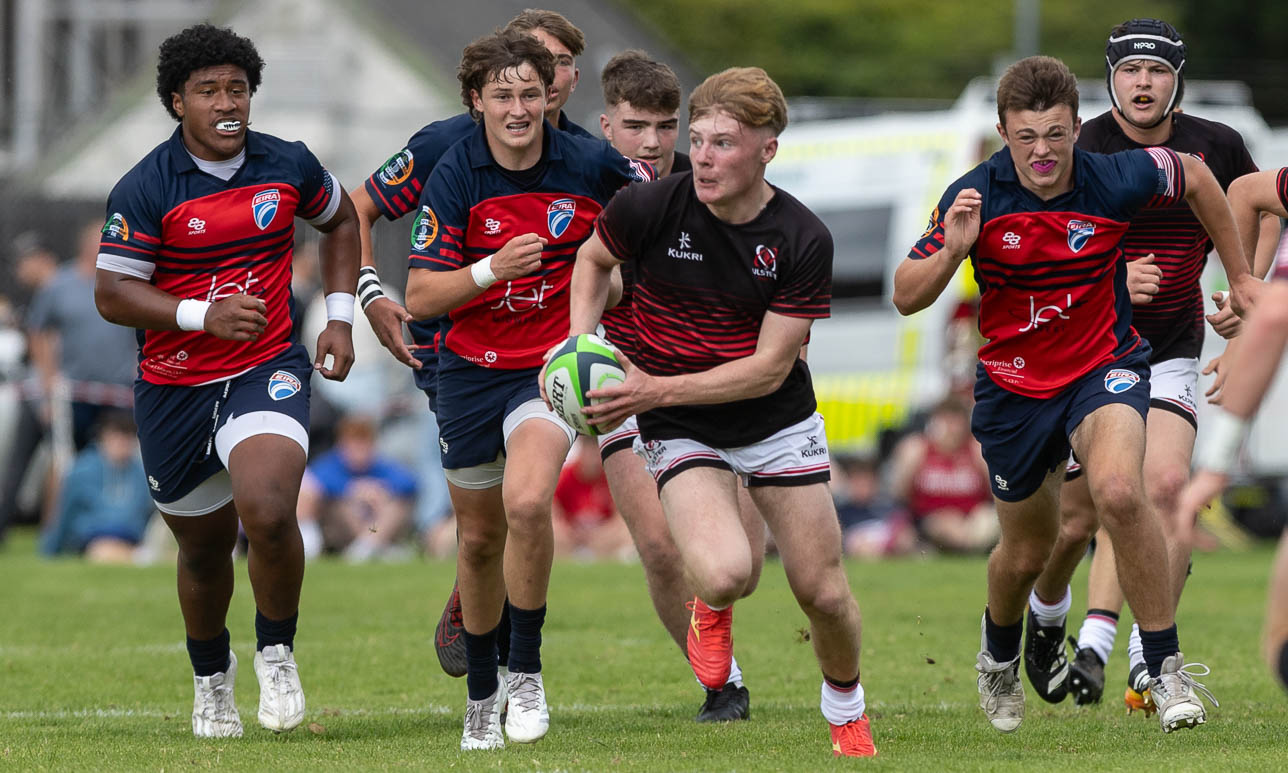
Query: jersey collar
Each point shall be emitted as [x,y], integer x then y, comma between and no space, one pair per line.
[479,155]
[184,163]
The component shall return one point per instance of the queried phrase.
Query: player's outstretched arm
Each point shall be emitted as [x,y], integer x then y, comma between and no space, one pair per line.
[385,316]
[592,285]
[132,302]
[918,282]
[762,372]
[1209,204]
[340,254]
[434,293]
[1252,196]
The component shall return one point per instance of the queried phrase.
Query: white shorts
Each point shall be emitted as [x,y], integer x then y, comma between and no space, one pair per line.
[794,456]
[620,439]
[490,474]
[1171,388]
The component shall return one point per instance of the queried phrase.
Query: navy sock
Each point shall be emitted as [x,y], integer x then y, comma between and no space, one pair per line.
[209,657]
[1003,640]
[525,639]
[480,664]
[270,632]
[1157,646]
[503,636]
[1283,665]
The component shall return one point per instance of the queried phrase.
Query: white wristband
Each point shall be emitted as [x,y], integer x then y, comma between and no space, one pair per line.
[1223,438]
[339,307]
[482,272]
[191,314]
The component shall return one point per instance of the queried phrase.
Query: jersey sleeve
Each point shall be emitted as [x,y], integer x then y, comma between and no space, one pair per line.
[807,290]
[132,233]
[1153,177]
[319,190]
[1281,186]
[624,223]
[932,239]
[396,187]
[438,232]
[618,171]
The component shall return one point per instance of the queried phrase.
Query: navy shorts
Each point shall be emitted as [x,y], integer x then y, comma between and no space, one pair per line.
[178,424]
[472,405]
[1026,438]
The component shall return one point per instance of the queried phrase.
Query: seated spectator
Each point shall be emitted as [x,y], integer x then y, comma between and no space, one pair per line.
[939,475]
[105,503]
[586,522]
[353,500]
[872,525]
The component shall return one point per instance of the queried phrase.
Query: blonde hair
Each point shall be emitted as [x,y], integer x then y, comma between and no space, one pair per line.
[746,93]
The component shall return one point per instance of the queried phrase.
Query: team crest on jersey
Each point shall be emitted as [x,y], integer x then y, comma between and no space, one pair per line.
[397,169]
[424,229]
[934,222]
[766,262]
[559,216]
[1079,232]
[117,228]
[264,207]
[1119,381]
[282,385]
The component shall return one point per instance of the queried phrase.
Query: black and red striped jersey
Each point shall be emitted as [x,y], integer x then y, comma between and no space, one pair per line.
[1053,283]
[1281,186]
[196,236]
[1172,321]
[702,288]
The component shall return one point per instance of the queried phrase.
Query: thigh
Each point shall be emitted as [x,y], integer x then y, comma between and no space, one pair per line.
[269,400]
[805,528]
[1110,441]
[701,507]
[1034,519]
[176,427]
[1169,446]
[1021,438]
[536,444]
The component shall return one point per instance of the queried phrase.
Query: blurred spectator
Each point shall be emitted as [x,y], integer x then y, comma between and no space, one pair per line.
[940,477]
[353,499]
[586,522]
[961,349]
[105,503]
[872,525]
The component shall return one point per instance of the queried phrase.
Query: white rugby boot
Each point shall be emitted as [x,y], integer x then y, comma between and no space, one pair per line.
[483,721]
[281,699]
[214,712]
[528,718]
[1001,695]
[1173,691]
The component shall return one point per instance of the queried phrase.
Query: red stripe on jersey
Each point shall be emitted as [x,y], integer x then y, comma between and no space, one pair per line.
[374,185]
[1281,185]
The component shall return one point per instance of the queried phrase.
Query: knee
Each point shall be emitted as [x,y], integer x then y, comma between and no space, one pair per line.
[479,541]
[722,584]
[660,557]
[1077,526]
[830,599]
[268,527]
[209,556]
[1117,497]
[526,513]
[757,563]
[1165,488]
[1026,560]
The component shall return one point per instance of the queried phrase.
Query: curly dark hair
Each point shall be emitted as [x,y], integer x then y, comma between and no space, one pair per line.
[203,45]
[489,56]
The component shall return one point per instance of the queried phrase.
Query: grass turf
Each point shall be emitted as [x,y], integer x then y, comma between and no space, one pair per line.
[94,676]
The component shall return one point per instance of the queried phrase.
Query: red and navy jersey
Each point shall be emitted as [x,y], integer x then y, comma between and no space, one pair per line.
[619,326]
[702,288]
[1281,186]
[196,236]
[1054,304]
[471,207]
[396,186]
[1172,321]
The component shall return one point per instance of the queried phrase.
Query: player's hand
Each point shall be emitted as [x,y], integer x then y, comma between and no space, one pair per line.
[961,222]
[640,392]
[336,340]
[1217,366]
[1143,279]
[1244,293]
[519,257]
[238,317]
[541,377]
[387,319]
[1225,322]
[1202,489]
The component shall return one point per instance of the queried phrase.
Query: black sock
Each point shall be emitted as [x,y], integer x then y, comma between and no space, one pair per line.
[270,632]
[480,664]
[1003,640]
[1157,646]
[1283,665]
[839,684]
[209,657]
[1103,613]
[503,636]
[525,639]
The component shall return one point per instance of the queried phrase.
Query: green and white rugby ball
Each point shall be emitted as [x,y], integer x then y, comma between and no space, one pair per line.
[582,363]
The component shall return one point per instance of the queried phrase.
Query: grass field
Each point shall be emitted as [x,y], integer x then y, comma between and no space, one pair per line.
[94,676]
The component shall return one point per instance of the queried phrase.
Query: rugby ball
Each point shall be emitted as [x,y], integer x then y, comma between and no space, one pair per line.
[582,363]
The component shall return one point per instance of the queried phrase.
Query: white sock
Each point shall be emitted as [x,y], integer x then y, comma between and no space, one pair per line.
[735,673]
[311,533]
[1050,614]
[842,706]
[1097,634]
[1135,651]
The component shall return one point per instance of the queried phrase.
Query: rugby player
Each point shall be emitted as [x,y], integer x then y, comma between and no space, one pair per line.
[1166,249]
[729,272]
[1042,223]
[196,254]
[501,218]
